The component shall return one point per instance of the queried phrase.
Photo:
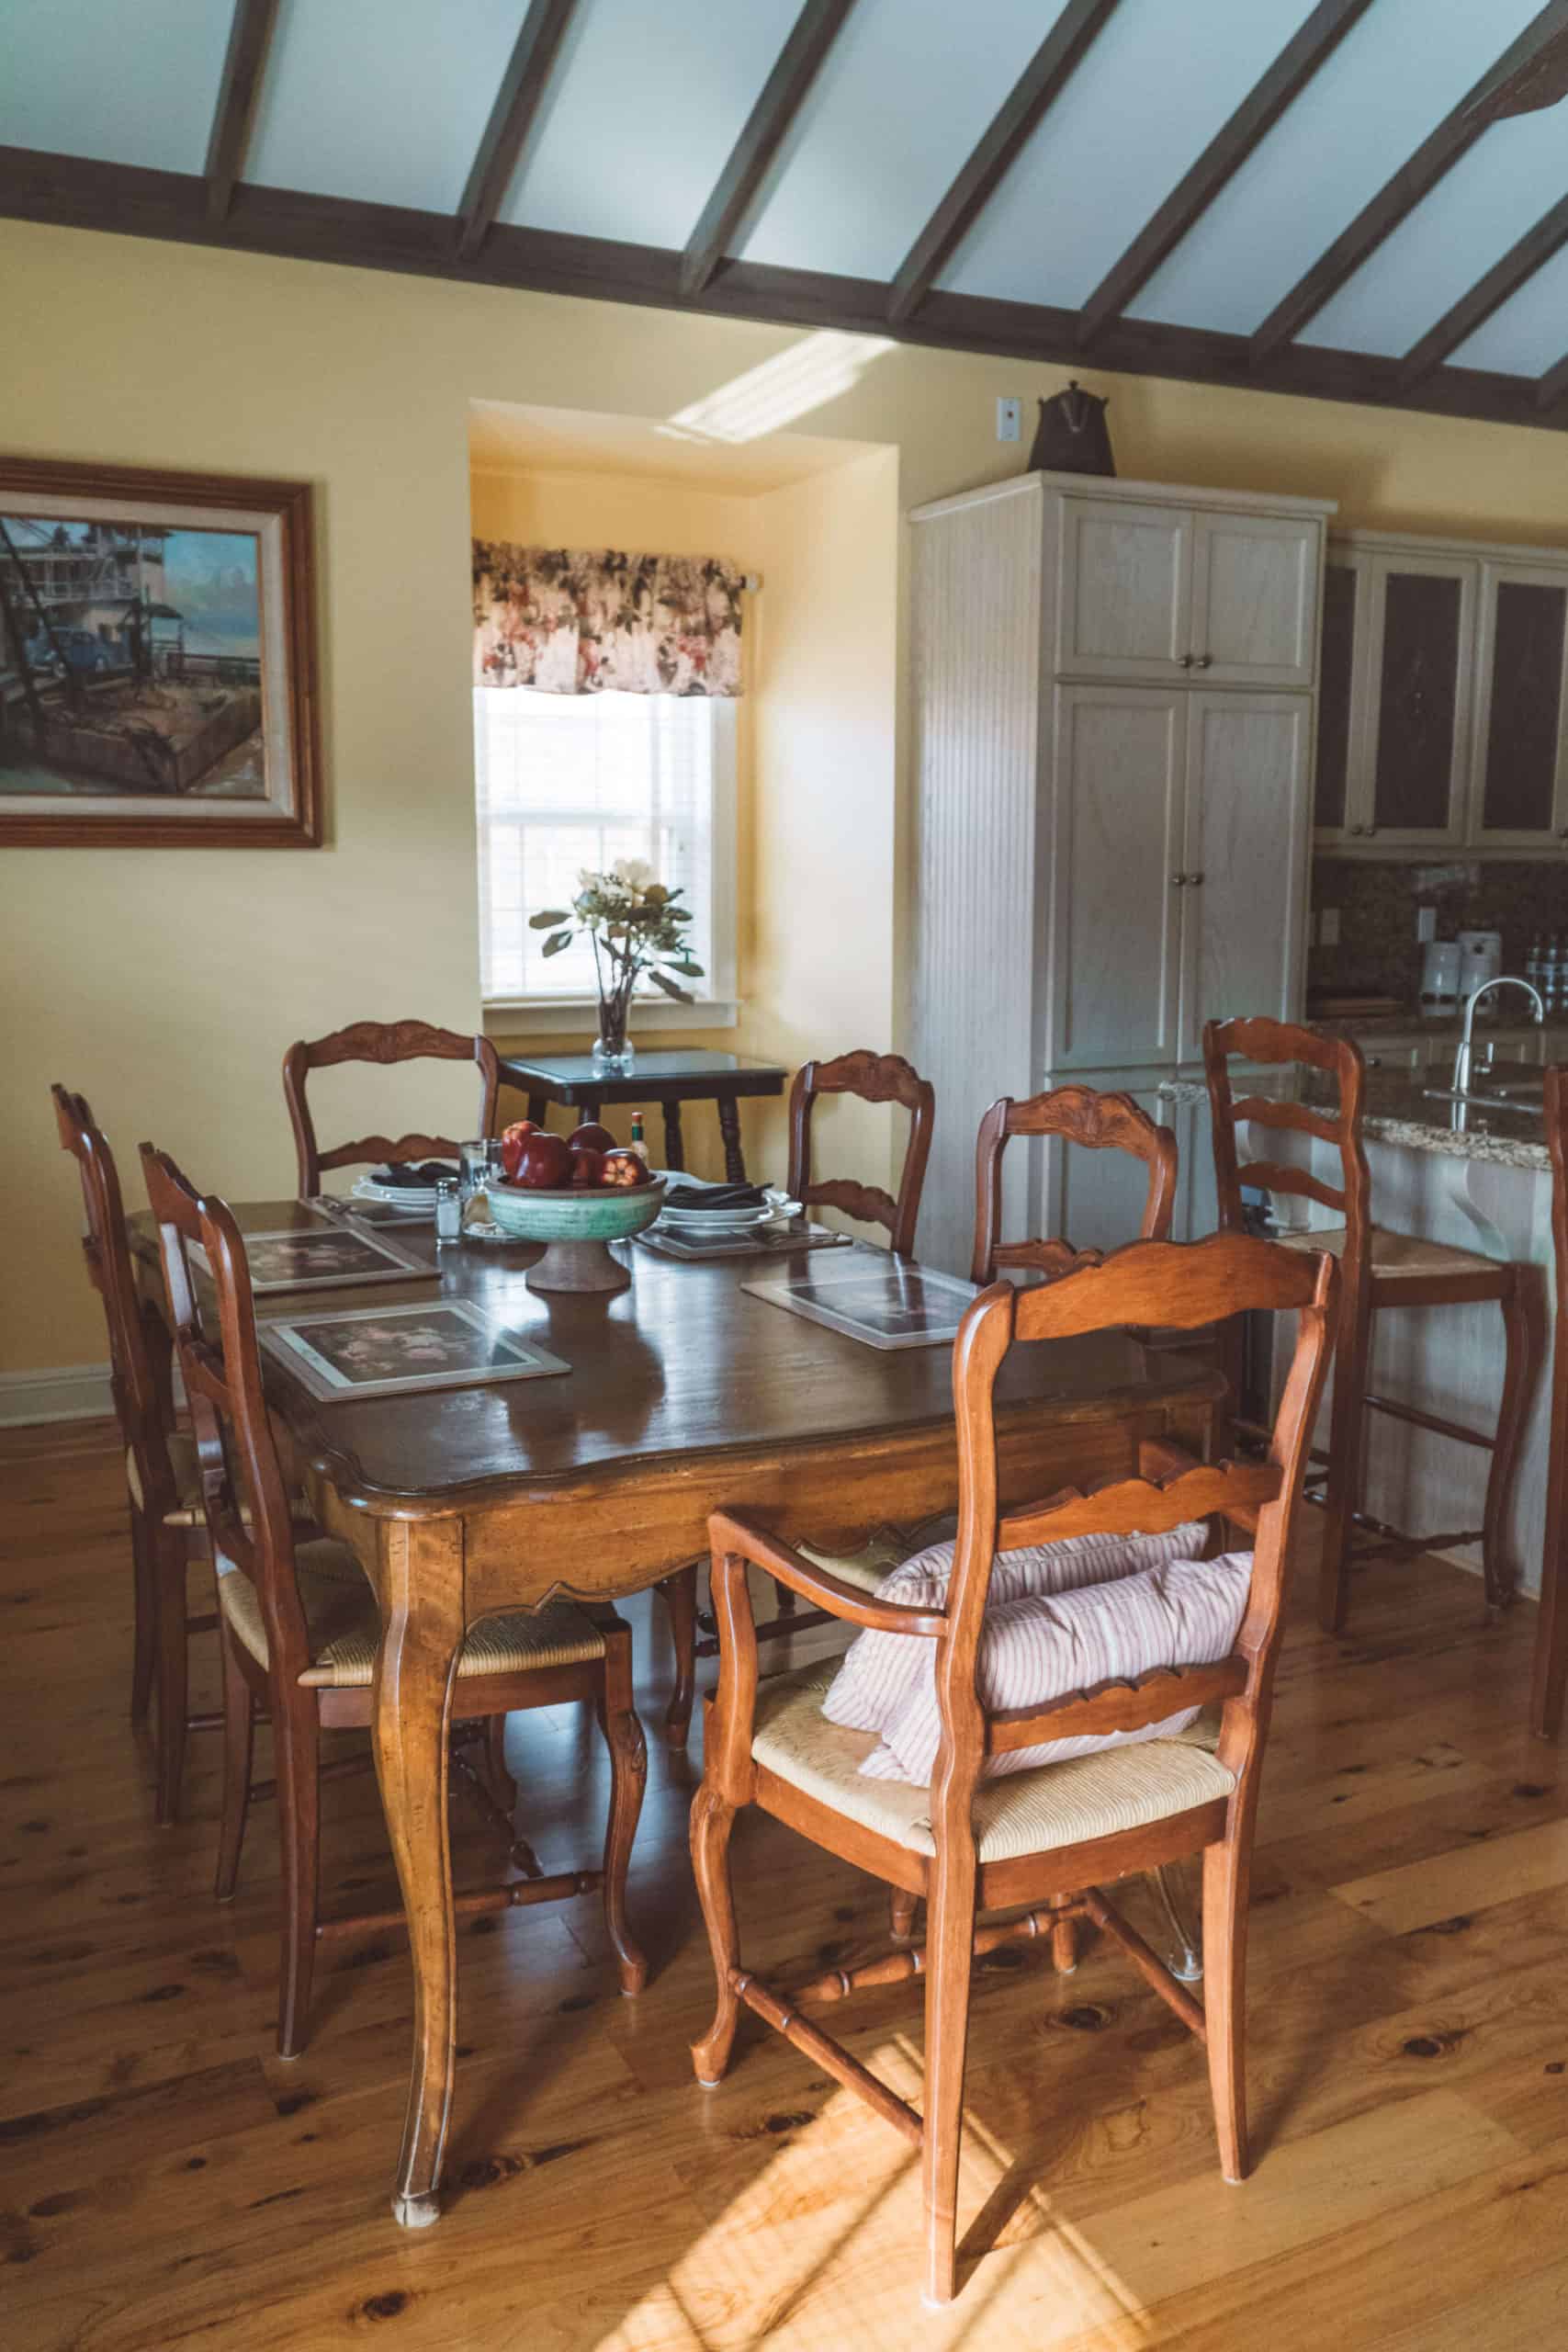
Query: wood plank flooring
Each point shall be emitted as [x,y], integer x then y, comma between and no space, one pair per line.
[166,2181]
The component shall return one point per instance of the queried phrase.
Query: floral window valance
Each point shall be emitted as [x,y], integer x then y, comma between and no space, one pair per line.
[568,623]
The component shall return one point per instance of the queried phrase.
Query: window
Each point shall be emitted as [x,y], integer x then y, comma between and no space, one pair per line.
[568,781]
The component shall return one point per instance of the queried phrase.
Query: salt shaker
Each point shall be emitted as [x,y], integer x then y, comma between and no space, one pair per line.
[448,1210]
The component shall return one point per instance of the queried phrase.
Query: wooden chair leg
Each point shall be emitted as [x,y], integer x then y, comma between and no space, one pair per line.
[144,1656]
[1064,1944]
[1225,1877]
[169,1545]
[502,1787]
[679,1594]
[1346,1434]
[239,1740]
[628,1777]
[297,1741]
[950,1942]
[1497,1571]
[786,1600]
[712,1821]
[901,1906]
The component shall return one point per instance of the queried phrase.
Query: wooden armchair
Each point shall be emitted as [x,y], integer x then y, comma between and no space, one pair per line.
[871,1078]
[1096,1123]
[385,1042]
[167,1528]
[1051,1837]
[300,1631]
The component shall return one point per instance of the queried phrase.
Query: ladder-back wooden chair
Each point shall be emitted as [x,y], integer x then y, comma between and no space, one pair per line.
[1550,1678]
[384,1042]
[167,1528]
[1051,1837]
[1380,1270]
[870,1078]
[1095,1122]
[299,1630]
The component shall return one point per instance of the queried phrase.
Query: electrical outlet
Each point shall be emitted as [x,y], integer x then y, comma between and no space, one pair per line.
[1009,420]
[1328,927]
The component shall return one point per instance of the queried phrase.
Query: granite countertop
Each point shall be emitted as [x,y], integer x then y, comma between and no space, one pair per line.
[1500,1013]
[1399,1111]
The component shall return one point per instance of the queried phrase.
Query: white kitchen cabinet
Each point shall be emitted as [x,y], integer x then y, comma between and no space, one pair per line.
[1444,703]
[1110,844]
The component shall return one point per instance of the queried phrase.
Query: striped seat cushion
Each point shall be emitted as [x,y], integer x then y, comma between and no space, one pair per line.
[344,1626]
[881,1672]
[1058,1804]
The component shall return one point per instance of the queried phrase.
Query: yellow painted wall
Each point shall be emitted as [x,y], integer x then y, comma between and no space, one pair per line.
[167,983]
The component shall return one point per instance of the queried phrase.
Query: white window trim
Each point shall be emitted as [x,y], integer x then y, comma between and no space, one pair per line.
[718,1010]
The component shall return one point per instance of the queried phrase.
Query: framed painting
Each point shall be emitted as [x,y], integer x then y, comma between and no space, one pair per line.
[157,660]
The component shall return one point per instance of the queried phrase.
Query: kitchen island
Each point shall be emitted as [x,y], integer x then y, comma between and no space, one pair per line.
[1473,1179]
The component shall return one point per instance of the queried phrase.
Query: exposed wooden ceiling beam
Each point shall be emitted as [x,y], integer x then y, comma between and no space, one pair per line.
[724,216]
[1488,294]
[71,191]
[1050,70]
[511,119]
[250,36]
[1438,153]
[1541,81]
[1316,42]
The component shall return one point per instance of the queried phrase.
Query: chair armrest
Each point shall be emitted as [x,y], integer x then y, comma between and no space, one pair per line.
[728,1532]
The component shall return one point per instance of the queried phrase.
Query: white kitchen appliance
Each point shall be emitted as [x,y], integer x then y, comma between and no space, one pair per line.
[1480,960]
[1440,976]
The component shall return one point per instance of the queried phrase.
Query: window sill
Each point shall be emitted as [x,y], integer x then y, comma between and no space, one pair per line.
[557,1016]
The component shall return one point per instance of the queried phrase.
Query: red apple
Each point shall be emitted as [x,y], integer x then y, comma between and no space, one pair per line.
[591,1135]
[587,1165]
[511,1141]
[544,1161]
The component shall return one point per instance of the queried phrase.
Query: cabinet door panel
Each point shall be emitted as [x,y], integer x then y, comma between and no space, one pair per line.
[1421,668]
[1123,589]
[1254,600]
[1343,587]
[1247,836]
[1119,753]
[1522,759]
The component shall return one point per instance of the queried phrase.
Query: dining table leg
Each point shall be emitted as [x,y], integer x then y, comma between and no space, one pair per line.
[419,1587]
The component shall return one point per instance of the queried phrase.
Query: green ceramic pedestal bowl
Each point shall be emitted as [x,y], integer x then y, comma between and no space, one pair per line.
[577,1225]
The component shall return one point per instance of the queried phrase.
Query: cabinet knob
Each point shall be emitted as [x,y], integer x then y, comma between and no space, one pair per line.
[1177,880]
[1203,662]
[1195,880]
[1357,829]
[1562,832]
[1184,661]
[1370,831]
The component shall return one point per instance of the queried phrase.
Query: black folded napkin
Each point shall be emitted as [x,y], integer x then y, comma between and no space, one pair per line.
[418,1176]
[716,1196]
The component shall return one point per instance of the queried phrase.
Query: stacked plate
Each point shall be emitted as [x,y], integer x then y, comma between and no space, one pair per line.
[418,1199]
[722,1217]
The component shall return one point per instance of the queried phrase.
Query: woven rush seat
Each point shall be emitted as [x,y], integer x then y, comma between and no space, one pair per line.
[887,1549]
[1069,1803]
[345,1625]
[1396,1254]
[185,1464]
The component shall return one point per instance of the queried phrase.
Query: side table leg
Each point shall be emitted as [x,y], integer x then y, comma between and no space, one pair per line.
[729,1128]
[538,1109]
[675,1150]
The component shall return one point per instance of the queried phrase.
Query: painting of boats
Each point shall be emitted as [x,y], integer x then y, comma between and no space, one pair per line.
[151,653]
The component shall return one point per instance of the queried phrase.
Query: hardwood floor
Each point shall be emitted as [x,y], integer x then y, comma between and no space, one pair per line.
[166,2181]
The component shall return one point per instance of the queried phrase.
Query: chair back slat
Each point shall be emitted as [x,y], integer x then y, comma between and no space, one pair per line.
[1280,1045]
[383,1042]
[1143,1506]
[1158,1286]
[1122,1705]
[222,1373]
[1081,1116]
[871,1078]
[143,1407]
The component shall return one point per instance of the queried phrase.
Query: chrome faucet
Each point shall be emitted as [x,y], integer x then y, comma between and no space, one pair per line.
[1462,1052]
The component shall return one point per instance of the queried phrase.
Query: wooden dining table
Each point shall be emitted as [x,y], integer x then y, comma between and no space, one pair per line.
[686,1394]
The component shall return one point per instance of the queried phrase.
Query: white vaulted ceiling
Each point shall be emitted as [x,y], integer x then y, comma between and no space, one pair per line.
[793,159]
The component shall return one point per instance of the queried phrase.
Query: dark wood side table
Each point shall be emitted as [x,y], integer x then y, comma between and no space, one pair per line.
[668,1078]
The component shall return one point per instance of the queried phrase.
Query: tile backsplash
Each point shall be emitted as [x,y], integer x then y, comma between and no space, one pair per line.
[1378,952]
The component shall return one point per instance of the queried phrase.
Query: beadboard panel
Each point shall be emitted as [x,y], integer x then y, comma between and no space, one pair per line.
[977,670]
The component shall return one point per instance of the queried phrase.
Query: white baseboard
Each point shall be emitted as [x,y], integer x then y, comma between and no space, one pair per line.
[70,1392]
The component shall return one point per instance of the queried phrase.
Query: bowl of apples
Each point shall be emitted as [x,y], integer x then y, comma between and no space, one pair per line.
[576,1194]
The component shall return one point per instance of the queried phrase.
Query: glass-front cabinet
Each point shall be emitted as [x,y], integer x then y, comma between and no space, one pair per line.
[1443,719]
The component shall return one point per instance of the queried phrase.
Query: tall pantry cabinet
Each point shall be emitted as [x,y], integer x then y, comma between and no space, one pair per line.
[1115,687]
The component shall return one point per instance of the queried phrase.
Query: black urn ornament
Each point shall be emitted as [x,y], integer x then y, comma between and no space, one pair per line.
[1073,436]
